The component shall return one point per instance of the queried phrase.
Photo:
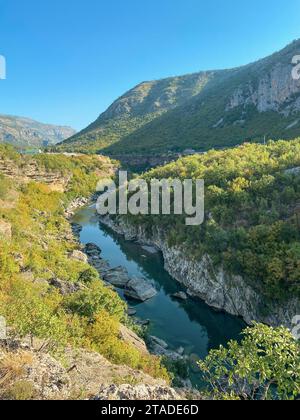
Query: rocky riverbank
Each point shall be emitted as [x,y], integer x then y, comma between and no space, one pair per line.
[135,289]
[213,285]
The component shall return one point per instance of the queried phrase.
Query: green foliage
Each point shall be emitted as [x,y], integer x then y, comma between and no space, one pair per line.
[39,252]
[252,223]
[192,111]
[135,110]
[91,300]
[265,366]
[5,187]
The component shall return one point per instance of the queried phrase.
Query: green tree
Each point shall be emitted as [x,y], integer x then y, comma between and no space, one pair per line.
[264,366]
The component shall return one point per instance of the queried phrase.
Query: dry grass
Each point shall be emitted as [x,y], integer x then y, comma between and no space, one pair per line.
[12,366]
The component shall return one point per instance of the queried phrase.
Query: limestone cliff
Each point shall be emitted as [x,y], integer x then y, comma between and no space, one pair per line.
[217,288]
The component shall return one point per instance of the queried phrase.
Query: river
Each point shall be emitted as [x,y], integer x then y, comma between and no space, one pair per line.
[190,324]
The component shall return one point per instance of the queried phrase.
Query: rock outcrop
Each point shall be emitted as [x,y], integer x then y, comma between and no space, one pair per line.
[213,285]
[137,392]
[274,91]
[28,371]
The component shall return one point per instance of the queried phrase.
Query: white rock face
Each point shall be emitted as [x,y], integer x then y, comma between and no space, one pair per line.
[275,91]
[213,285]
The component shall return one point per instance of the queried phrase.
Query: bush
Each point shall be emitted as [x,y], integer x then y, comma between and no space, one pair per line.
[265,366]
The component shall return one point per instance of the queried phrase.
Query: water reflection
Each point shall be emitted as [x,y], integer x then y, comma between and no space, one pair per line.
[190,324]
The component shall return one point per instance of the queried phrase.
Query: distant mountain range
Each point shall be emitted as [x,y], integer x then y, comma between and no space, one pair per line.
[24,132]
[200,111]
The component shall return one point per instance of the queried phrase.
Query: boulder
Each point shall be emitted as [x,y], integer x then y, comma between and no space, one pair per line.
[118,277]
[143,322]
[76,229]
[136,392]
[132,338]
[150,249]
[158,350]
[180,351]
[79,256]
[92,249]
[159,341]
[180,296]
[139,289]
[65,287]
[101,266]
[131,312]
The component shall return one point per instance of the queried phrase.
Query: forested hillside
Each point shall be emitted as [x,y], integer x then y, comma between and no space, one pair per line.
[48,291]
[136,108]
[64,323]
[200,111]
[252,207]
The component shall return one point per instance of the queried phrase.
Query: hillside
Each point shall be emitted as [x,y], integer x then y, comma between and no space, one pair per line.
[69,336]
[24,132]
[50,297]
[200,111]
[245,258]
[136,108]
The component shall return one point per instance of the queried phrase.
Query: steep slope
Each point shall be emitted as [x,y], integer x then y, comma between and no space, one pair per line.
[24,132]
[136,108]
[214,109]
[245,257]
[48,289]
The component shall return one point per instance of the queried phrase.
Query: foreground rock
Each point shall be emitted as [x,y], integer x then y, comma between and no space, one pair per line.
[79,256]
[131,337]
[65,287]
[138,392]
[40,376]
[139,289]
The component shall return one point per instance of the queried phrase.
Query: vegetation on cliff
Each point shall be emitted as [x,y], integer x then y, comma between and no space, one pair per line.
[38,253]
[252,223]
[199,111]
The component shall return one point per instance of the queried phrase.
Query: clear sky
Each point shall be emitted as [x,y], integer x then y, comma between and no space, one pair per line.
[67,60]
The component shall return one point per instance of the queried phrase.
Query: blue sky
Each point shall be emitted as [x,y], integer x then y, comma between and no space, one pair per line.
[67,60]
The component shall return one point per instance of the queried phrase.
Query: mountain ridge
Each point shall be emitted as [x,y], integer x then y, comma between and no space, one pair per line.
[26,132]
[220,108]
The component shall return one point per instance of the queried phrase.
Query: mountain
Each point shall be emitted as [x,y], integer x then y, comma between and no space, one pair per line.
[138,107]
[20,131]
[244,258]
[200,111]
